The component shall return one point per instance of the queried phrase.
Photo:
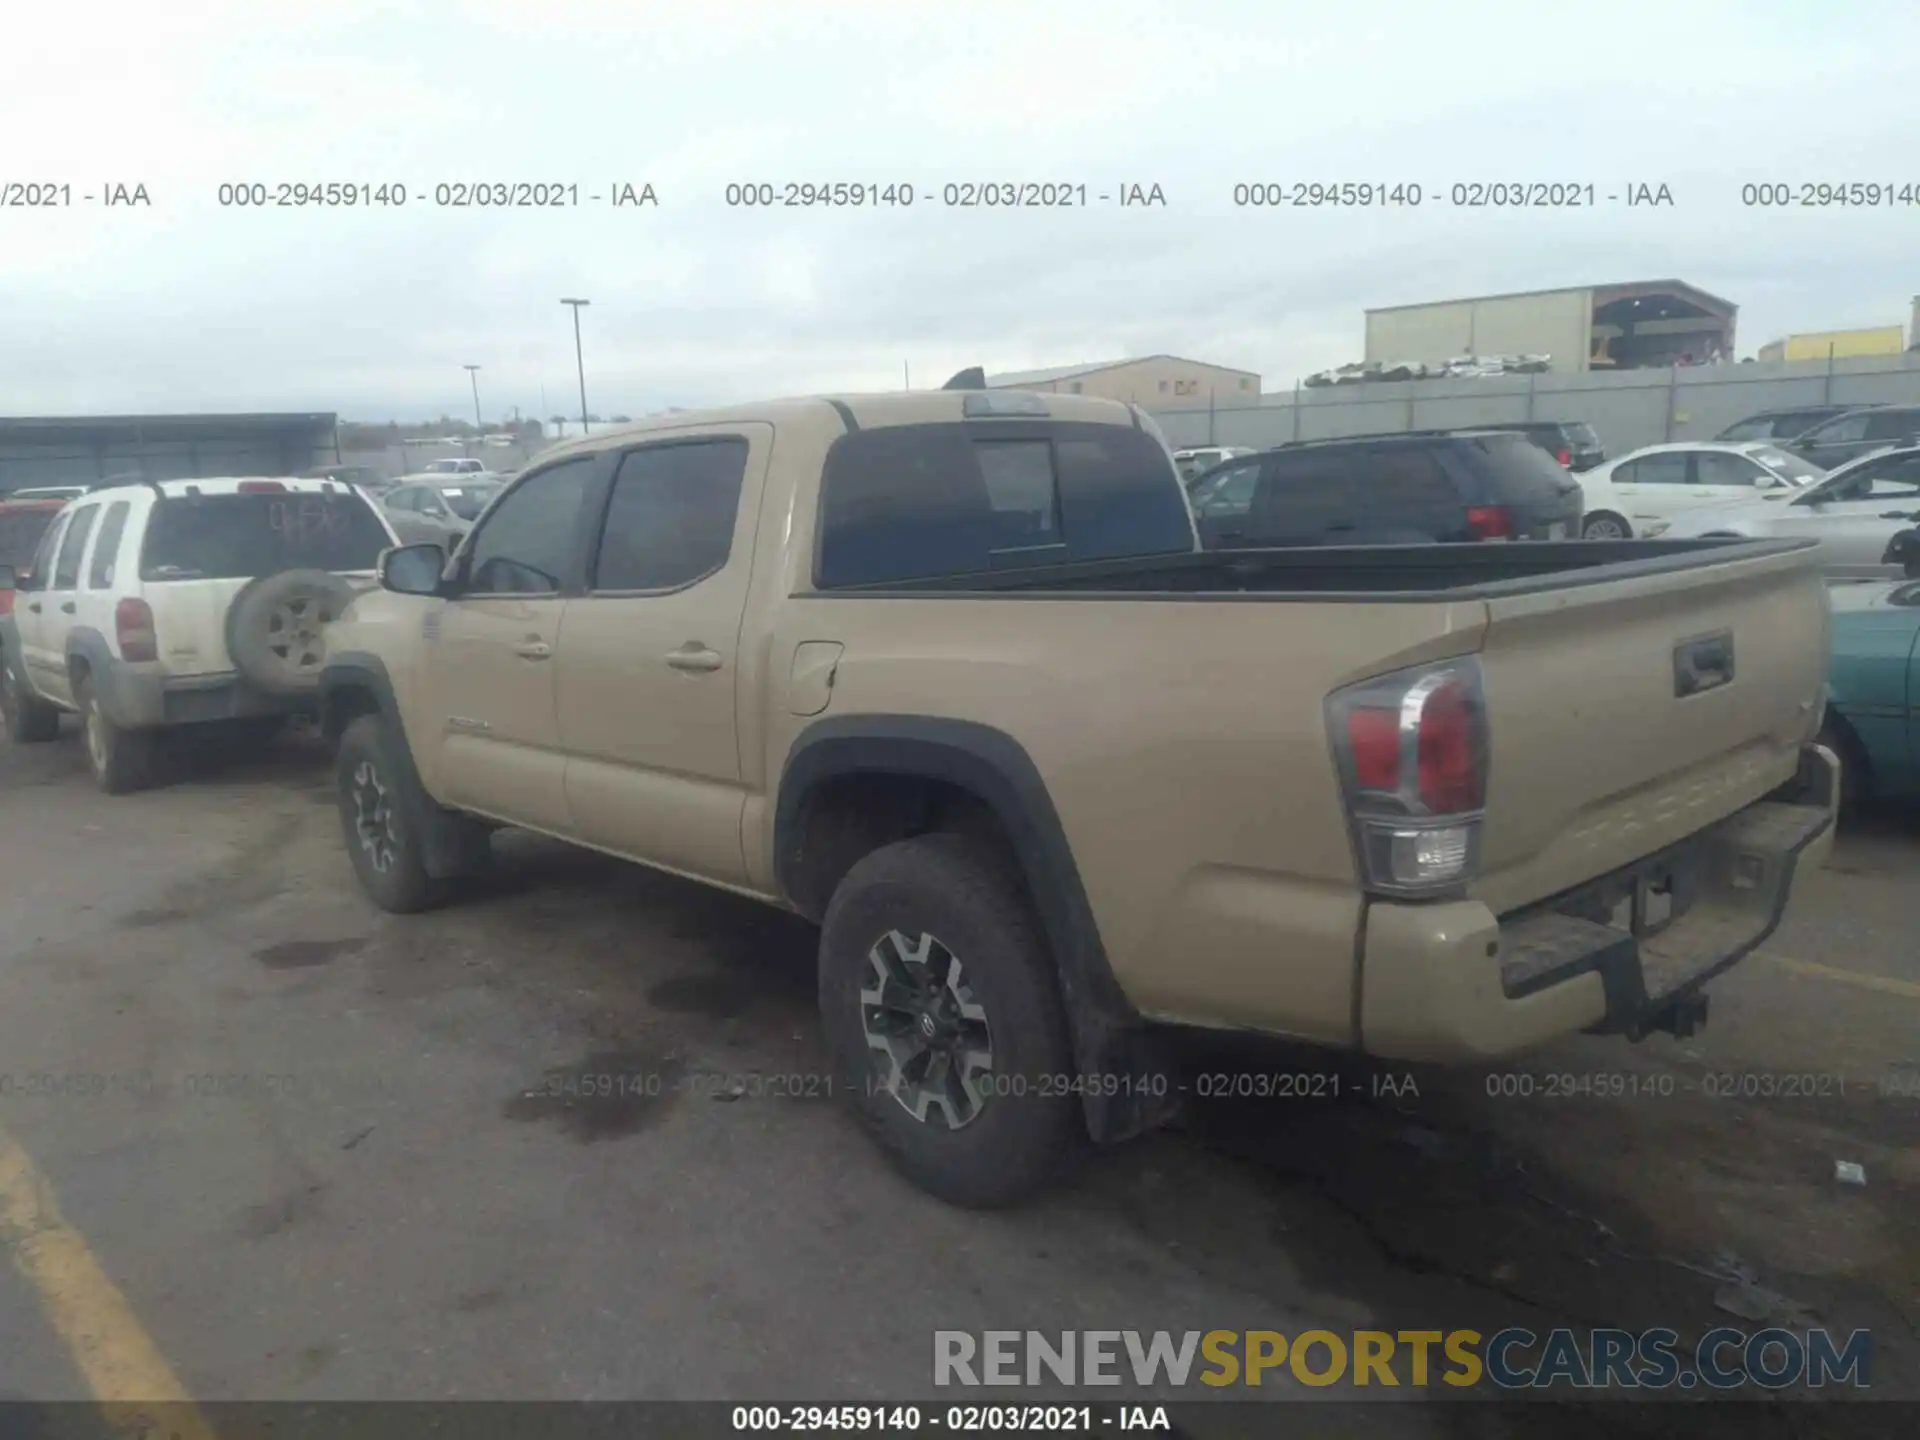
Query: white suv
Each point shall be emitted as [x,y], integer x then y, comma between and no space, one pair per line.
[181,602]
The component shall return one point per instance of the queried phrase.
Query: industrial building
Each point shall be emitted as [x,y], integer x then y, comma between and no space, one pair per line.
[1836,344]
[1148,380]
[81,449]
[1594,327]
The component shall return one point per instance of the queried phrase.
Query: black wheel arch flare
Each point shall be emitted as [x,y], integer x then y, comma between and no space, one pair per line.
[1109,1039]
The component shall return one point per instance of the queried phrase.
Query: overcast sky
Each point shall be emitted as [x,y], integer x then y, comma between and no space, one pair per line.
[372,312]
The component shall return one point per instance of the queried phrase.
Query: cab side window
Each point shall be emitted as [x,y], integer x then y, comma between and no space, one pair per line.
[66,570]
[525,546]
[671,516]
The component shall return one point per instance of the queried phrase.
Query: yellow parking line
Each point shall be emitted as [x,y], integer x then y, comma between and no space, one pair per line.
[122,1366]
[1860,980]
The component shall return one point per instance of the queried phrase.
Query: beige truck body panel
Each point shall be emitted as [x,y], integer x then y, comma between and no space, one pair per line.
[1182,739]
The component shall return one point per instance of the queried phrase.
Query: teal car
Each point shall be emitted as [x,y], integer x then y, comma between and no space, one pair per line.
[1873,689]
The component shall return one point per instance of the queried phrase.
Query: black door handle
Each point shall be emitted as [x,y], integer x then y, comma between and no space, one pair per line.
[34,605]
[67,607]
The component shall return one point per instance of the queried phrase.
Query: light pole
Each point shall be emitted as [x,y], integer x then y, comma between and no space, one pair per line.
[473,374]
[577,360]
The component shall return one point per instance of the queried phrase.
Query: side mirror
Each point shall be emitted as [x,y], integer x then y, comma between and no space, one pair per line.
[411,569]
[6,579]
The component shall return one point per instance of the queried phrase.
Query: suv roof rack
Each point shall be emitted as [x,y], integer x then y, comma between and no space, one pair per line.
[131,477]
[1433,434]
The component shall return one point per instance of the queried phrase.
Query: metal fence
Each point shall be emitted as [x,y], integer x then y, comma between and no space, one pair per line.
[1628,408]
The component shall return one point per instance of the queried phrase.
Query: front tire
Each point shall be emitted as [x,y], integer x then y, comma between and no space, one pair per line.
[122,761]
[1605,525]
[940,1008]
[384,820]
[29,719]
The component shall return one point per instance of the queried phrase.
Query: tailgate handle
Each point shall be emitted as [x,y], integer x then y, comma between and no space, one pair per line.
[1703,664]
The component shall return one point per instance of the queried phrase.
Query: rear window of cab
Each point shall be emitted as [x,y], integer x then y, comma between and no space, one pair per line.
[915,502]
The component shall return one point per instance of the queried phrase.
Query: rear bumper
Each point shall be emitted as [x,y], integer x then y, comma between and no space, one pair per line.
[1453,982]
[137,698]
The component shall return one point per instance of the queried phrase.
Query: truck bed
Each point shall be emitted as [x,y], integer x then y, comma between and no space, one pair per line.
[1361,572]
[1605,745]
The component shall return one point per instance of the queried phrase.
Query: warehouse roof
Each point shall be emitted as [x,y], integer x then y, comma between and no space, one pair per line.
[1074,372]
[26,426]
[1707,299]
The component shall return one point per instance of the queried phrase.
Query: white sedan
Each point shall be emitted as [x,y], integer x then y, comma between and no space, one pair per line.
[1853,512]
[1643,492]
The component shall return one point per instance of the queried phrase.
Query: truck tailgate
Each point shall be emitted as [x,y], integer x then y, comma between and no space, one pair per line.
[1629,713]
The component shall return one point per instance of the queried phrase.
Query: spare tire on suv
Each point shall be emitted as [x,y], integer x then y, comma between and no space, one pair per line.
[276,628]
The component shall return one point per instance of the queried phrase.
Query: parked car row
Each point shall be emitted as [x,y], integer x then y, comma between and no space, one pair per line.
[1641,493]
[146,607]
[1873,691]
[1857,432]
[1398,489]
[438,508]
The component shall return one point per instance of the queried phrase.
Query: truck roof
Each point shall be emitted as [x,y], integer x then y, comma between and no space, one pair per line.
[868,411]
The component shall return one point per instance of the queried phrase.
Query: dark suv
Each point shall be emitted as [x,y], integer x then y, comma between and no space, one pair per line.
[1858,432]
[1783,424]
[1571,442]
[1402,489]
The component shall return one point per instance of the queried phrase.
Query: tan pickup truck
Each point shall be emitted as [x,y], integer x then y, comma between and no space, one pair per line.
[947,673]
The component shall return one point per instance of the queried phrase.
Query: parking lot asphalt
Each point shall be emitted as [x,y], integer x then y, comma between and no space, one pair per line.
[326,1153]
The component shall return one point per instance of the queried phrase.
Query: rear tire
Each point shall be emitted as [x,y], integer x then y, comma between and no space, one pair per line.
[29,719]
[939,1003]
[122,761]
[1605,525]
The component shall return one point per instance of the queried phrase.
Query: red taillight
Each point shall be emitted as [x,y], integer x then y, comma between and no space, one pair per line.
[1374,738]
[1412,752]
[1445,747]
[1490,522]
[261,487]
[1449,781]
[6,603]
[133,628]
[1565,457]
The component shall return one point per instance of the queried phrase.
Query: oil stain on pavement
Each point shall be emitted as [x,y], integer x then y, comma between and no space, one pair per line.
[300,954]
